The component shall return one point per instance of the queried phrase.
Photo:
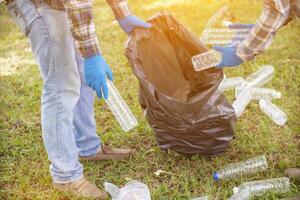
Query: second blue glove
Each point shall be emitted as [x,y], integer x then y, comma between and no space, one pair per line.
[96,70]
[229,56]
[131,22]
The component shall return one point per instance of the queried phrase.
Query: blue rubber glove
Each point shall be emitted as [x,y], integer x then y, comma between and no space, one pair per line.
[229,56]
[131,22]
[95,71]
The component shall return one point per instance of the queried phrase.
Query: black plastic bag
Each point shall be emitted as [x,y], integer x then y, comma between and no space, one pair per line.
[183,107]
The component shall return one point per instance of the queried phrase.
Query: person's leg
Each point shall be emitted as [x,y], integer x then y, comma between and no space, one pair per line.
[53,47]
[87,140]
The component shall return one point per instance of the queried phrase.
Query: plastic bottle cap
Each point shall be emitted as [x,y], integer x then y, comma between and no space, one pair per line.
[216,176]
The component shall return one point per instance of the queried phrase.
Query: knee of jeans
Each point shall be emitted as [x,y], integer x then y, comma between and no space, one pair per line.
[65,95]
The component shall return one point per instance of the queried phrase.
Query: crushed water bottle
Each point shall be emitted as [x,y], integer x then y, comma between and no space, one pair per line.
[257,79]
[250,166]
[272,111]
[206,60]
[231,83]
[120,109]
[264,93]
[241,102]
[259,188]
[223,36]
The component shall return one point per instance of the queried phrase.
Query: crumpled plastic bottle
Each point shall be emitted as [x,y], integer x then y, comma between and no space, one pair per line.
[133,190]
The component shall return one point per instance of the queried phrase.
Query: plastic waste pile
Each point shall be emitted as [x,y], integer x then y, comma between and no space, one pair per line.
[251,89]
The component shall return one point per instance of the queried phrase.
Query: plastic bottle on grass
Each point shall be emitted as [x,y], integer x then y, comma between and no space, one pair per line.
[259,188]
[230,83]
[241,102]
[257,79]
[206,60]
[120,109]
[264,93]
[242,195]
[261,76]
[250,166]
[271,110]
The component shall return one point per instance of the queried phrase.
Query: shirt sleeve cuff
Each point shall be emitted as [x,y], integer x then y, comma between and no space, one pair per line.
[88,48]
[245,53]
[120,8]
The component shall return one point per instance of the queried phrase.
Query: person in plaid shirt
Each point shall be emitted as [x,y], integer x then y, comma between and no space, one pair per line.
[276,13]
[63,39]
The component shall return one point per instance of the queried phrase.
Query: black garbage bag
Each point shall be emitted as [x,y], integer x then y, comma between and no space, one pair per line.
[183,107]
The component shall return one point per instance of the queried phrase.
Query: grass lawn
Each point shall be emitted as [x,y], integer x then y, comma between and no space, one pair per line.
[24,168]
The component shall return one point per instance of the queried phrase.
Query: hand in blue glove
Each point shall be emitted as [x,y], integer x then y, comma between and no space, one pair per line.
[229,56]
[131,22]
[95,71]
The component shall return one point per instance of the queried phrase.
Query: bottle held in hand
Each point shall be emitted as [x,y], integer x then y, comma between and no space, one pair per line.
[120,109]
[206,60]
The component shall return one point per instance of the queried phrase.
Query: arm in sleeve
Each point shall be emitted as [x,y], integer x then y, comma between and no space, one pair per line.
[82,26]
[261,36]
[120,8]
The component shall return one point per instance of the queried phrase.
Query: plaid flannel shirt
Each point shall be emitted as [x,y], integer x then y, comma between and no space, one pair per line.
[276,13]
[82,23]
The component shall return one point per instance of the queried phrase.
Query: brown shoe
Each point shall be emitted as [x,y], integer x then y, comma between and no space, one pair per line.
[108,153]
[82,188]
[292,173]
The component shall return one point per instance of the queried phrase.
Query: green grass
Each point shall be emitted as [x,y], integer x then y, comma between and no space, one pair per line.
[24,169]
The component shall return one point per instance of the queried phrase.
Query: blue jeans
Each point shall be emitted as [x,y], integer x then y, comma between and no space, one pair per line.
[68,122]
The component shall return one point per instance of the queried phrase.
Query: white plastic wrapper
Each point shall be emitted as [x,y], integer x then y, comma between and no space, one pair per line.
[133,190]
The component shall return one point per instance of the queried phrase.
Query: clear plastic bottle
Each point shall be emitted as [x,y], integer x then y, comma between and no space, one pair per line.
[230,83]
[259,188]
[120,109]
[241,195]
[264,93]
[206,60]
[271,110]
[223,36]
[241,102]
[250,166]
[257,79]
[261,77]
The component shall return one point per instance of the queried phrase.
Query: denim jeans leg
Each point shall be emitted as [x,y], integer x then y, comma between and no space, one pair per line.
[86,137]
[53,46]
